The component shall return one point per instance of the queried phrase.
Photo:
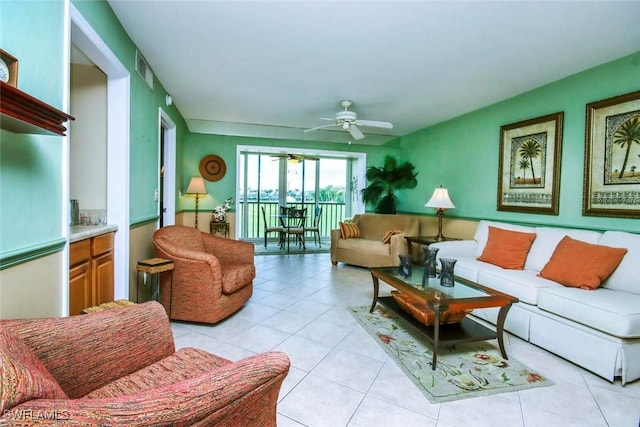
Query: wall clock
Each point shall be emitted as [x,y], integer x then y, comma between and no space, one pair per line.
[8,68]
[212,167]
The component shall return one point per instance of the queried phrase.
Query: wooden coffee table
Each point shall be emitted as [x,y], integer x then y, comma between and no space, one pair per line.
[464,295]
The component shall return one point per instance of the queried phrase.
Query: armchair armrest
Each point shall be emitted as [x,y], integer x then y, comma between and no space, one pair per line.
[456,248]
[86,352]
[240,393]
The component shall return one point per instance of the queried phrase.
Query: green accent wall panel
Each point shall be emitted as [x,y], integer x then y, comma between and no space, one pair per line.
[462,153]
[197,145]
[30,165]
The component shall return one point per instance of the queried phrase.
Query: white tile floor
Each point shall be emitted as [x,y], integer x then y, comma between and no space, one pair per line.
[340,377]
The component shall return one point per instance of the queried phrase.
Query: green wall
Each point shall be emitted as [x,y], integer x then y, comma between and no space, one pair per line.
[462,153]
[30,165]
[144,131]
[197,145]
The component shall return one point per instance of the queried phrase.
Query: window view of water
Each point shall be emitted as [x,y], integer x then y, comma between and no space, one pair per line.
[274,180]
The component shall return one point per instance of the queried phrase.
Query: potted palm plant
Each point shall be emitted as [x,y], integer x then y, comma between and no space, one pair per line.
[384,181]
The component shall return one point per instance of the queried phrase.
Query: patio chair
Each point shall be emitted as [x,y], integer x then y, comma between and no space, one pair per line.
[268,229]
[315,229]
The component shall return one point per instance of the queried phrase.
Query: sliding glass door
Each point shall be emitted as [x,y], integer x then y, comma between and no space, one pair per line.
[270,180]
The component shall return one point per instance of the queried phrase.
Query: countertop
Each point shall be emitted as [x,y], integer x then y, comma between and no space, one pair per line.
[82,232]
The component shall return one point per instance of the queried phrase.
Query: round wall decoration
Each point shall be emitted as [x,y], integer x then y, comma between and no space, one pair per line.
[212,167]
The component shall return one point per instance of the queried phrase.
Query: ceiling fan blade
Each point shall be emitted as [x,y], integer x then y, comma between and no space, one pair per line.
[375,124]
[320,127]
[355,132]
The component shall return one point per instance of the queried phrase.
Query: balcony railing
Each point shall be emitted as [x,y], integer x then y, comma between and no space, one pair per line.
[332,214]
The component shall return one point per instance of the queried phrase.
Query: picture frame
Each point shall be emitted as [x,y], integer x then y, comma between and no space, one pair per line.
[612,157]
[12,67]
[529,165]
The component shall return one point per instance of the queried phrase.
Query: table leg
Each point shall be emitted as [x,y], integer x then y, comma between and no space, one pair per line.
[502,315]
[436,336]
[376,287]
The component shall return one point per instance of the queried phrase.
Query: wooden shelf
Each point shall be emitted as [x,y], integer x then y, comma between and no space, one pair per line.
[22,113]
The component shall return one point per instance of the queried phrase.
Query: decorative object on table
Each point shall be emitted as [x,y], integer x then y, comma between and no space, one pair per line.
[384,181]
[446,271]
[220,212]
[8,68]
[463,370]
[429,264]
[197,187]
[212,167]
[405,265]
[440,201]
[529,165]
[612,157]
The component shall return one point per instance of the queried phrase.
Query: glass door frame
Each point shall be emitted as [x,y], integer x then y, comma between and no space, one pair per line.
[354,181]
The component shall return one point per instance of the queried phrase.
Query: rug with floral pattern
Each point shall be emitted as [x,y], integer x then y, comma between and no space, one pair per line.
[462,370]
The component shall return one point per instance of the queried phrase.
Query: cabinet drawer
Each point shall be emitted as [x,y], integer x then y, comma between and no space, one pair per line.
[101,244]
[79,252]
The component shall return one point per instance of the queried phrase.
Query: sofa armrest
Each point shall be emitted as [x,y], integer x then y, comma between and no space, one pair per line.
[228,250]
[86,352]
[242,393]
[456,248]
[398,246]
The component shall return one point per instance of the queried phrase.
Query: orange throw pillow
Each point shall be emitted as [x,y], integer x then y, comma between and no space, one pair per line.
[582,265]
[349,230]
[387,236]
[507,248]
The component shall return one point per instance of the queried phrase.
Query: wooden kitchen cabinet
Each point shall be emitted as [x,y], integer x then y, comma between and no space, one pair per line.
[91,272]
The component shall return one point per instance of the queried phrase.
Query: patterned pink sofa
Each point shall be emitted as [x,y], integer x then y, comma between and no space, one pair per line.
[212,278]
[119,367]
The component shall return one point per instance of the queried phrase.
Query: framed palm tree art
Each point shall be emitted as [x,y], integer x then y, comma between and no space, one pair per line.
[612,157]
[529,165]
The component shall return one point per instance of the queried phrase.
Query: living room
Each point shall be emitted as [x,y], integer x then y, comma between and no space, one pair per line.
[460,153]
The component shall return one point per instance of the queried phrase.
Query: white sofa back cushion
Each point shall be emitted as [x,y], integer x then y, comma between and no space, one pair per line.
[547,238]
[625,277]
[482,232]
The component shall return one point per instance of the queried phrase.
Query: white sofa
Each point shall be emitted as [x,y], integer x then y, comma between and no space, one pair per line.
[596,329]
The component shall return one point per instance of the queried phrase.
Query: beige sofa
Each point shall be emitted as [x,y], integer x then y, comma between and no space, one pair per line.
[368,250]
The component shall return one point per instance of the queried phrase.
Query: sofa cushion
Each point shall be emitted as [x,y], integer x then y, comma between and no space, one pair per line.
[522,284]
[547,238]
[349,230]
[373,247]
[507,248]
[387,236]
[613,312]
[236,276]
[581,265]
[625,277]
[23,376]
[482,232]
[183,364]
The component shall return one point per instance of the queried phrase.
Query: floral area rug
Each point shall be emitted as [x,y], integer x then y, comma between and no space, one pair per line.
[462,370]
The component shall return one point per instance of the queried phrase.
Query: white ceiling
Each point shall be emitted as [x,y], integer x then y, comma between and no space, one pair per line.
[274,68]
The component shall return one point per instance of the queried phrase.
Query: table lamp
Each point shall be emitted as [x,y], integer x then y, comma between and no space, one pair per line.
[441,201]
[197,187]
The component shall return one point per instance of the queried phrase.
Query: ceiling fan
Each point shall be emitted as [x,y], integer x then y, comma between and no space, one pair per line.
[294,158]
[348,120]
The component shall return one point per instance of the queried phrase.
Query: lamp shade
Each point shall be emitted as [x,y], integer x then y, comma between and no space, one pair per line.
[440,199]
[197,186]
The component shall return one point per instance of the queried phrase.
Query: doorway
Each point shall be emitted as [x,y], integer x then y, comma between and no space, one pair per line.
[270,178]
[85,38]
[166,193]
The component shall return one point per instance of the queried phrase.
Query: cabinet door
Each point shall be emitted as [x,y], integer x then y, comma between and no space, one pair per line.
[79,288]
[103,274]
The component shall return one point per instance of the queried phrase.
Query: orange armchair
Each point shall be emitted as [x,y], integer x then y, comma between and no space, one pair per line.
[212,277]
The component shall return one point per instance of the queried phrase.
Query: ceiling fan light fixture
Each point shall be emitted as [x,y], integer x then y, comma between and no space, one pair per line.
[345,125]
